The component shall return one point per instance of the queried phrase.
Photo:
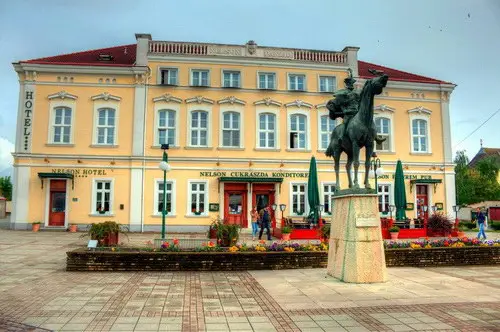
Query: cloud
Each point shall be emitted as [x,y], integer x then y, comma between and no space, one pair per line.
[6,149]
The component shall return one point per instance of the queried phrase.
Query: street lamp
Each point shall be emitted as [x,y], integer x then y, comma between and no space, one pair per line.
[456,208]
[376,169]
[165,167]
[274,206]
[391,210]
[434,208]
[282,209]
[320,209]
[425,208]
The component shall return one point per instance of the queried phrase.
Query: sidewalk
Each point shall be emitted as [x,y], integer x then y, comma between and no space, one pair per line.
[36,290]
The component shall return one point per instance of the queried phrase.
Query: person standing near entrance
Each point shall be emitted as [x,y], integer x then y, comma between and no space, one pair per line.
[265,219]
[255,222]
[481,221]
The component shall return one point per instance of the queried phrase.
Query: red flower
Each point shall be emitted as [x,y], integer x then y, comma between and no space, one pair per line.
[446,243]
[176,242]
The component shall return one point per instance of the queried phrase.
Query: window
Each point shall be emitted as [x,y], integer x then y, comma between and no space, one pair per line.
[298,199]
[419,135]
[166,127]
[267,81]
[199,128]
[169,76]
[231,129]
[198,198]
[297,131]
[102,197]
[62,125]
[327,83]
[296,82]
[383,126]
[159,197]
[106,126]
[326,127]
[231,79]
[383,197]
[267,130]
[328,192]
[199,78]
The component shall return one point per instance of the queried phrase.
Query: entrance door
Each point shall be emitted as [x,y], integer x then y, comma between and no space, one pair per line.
[57,202]
[422,200]
[235,204]
[262,196]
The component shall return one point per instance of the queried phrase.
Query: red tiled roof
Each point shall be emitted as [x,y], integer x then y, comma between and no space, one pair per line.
[394,74]
[122,56]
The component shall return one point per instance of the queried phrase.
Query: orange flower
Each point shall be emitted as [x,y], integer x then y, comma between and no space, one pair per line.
[262,241]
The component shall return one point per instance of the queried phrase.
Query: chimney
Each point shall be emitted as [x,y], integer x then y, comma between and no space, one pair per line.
[141,57]
[352,59]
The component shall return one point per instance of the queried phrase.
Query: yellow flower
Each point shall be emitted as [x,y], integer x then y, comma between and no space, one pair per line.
[233,249]
[113,249]
[428,246]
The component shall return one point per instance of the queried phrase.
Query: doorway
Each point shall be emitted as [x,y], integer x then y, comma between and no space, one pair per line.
[57,203]
[422,200]
[262,196]
[235,204]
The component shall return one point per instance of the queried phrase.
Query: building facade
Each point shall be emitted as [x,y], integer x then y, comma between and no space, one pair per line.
[241,121]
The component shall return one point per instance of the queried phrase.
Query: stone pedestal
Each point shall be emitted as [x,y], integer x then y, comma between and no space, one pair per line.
[356,251]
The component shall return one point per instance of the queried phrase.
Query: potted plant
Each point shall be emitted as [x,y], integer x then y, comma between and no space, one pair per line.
[324,232]
[439,224]
[212,229]
[285,233]
[106,233]
[394,230]
[73,228]
[227,235]
[35,227]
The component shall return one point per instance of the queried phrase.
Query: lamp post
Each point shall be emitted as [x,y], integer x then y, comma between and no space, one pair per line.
[433,208]
[274,207]
[456,208]
[425,208]
[376,169]
[165,167]
[391,210]
[320,209]
[282,209]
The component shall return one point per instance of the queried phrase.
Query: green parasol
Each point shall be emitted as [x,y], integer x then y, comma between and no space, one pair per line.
[400,192]
[313,191]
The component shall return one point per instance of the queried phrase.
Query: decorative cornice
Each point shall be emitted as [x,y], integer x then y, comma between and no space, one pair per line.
[199,100]
[168,98]
[299,103]
[384,108]
[267,101]
[420,110]
[232,100]
[62,95]
[320,106]
[106,96]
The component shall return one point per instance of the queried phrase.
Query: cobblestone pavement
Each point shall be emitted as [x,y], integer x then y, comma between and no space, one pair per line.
[37,294]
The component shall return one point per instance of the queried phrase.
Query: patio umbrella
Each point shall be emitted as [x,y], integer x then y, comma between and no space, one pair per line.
[400,192]
[313,191]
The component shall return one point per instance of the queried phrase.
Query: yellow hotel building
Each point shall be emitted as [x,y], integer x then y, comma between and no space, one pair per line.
[241,121]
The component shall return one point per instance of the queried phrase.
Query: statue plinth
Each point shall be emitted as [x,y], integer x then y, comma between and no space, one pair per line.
[356,251]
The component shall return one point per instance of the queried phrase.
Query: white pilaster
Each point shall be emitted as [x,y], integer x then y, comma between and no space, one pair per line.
[141,58]
[138,128]
[445,123]
[450,192]
[136,197]
[20,197]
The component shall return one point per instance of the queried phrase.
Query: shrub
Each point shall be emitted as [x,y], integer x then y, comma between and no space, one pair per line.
[325,231]
[101,231]
[286,230]
[494,225]
[227,235]
[440,223]
[394,229]
[466,225]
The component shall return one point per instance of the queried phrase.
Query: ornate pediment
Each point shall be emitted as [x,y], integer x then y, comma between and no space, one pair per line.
[384,108]
[232,100]
[267,101]
[62,95]
[106,96]
[299,103]
[199,100]
[168,98]
[320,106]
[420,110]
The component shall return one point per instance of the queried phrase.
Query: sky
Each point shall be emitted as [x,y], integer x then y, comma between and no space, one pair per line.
[451,40]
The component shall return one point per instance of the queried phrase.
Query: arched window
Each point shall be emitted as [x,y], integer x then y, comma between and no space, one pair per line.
[326,127]
[199,128]
[267,130]
[298,132]
[61,125]
[106,126]
[383,126]
[419,135]
[231,129]
[166,127]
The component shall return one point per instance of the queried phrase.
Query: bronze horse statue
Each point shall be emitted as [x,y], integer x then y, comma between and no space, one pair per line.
[360,132]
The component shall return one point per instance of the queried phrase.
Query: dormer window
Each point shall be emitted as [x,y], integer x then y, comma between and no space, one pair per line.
[105,57]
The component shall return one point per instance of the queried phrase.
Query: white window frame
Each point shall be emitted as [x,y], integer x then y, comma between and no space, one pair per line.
[231,72]
[111,196]
[231,109]
[334,84]
[266,131]
[289,83]
[307,133]
[166,128]
[267,81]
[271,110]
[323,193]
[421,114]
[306,203]
[61,104]
[191,77]
[390,194]
[156,200]
[99,106]
[160,75]
[209,126]
[388,135]
[322,114]
[189,191]
[160,106]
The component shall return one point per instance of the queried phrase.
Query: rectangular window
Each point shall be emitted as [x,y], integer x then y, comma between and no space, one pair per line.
[328,192]
[198,198]
[299,199]
[169,76]
[231,129]
[62,125]
[327,83]
[166,127]
[267,130]
[326,127]
[159,198]
[199,78]
[106,126]
[383,198]
[267,81]
[297,131]
[199,128]
[383,126]
[419,133]
[231,79]
[296,82]
[102,197]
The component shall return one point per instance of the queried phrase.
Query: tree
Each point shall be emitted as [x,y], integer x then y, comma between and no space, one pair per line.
[6,187]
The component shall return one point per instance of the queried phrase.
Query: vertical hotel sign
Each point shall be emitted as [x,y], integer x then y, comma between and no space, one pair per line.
[28,102]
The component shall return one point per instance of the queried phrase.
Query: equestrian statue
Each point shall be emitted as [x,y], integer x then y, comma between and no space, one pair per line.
[358,129]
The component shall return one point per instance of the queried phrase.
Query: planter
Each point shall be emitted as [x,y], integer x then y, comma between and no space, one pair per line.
[212,234]
[73,228]
[394,235]
[35,227]
[285,237]
[109,240]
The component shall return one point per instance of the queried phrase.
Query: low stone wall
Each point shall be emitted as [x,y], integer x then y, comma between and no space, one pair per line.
[433,257]
[83,260]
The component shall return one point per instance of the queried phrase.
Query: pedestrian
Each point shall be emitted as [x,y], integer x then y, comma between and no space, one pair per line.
[255,222]
[481,221]
[265,218]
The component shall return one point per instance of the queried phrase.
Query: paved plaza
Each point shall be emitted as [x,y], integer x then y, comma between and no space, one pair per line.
[37,294]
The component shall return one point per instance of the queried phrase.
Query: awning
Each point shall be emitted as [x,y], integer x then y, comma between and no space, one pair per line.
[250,180]
[57,176]
[425,181]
